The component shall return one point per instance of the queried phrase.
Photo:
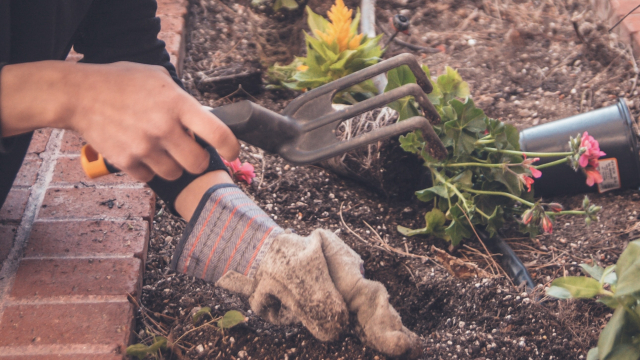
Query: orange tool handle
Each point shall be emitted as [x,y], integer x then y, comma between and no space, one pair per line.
[93,164]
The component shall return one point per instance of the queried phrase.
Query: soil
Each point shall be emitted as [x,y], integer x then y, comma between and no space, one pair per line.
[526,65]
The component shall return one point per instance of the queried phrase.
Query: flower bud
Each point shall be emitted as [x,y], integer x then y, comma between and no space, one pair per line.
[555,207]
[547,225]
[527,216]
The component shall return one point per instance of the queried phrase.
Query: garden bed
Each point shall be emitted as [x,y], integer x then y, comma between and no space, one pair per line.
[525,65]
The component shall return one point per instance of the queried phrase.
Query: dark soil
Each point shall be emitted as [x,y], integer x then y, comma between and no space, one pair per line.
[526,65]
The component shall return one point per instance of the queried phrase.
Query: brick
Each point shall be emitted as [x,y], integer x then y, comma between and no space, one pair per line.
[7,236]
[91,203]
[171,23]
[632,23]
[39,141]
[172,7]
[74,356]
[173,42]
[71,142]
[622,7]
[69,171]
[88,238]
[107,323]
[14,205]
[39,278]
[28,172]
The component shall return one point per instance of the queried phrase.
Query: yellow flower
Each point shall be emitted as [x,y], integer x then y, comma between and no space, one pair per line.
[302,68]
[340,28]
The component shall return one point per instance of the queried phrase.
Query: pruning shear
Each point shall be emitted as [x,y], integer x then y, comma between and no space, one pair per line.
[305,132]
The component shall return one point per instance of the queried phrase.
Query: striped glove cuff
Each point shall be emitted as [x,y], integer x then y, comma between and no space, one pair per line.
[228,231]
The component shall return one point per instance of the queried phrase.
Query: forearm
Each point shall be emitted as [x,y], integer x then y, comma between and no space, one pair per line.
[36,95]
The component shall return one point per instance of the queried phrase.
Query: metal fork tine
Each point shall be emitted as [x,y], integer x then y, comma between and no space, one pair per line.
[360,76]
[376,102]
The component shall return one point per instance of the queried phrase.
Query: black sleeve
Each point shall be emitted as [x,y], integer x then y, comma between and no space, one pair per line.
[123,30]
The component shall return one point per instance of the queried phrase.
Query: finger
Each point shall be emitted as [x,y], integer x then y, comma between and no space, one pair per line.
[188,153]
[140,172]
[163,165]
[209,128]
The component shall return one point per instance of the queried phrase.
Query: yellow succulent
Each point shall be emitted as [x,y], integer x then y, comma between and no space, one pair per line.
[339,30]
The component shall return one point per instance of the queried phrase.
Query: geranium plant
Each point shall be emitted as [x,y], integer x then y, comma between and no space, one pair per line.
[617,286]
[334,50]
[485,178]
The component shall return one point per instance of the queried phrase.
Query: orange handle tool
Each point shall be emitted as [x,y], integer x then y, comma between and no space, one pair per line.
[93,164]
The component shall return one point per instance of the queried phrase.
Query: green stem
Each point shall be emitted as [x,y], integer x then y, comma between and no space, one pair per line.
[480,142]
[500,193]
[474,164]
[567,212]
[530,154]
[553,163]
[453,187]
[482,213]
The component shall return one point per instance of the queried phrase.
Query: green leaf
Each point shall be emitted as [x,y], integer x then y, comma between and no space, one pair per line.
[610,301]
[200,313]
[395,78]
[609,276]
[141,350]
[464,178]
[451,84]
[434,219]
[230,319]
[316,22]
[617,336]
[579,287]
[595,271]
[428,194]
[410,143]
[558,292]
[495,221]
[288,4]
[628,270]
[354,24]
[459,227]
[593,354]
[470,117]
[509,180]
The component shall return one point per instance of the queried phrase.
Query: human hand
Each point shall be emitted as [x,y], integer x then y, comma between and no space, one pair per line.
[133,114]
[315,280]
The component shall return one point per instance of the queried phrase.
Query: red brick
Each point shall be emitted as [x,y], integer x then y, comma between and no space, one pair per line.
[632,23]
[69,171]
[622,7]
[71,142]
[7,236]
[74,356]
[173,42]
[14,205]
[91,203]
[88,238]
[39,141]
[28,172]
[107,323]
[172,7]
[38,278]
[170,23]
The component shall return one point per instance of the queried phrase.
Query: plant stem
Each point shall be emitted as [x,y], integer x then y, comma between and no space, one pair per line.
[474,164]
[567,212]
[489,141]
[534,154]
[482,213]
[451,186]
[500,193]
[553,163]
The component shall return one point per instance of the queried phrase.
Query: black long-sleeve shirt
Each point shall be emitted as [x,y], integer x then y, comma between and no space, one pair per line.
[104,31]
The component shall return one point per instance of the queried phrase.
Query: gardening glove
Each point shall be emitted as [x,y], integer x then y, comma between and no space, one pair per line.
[315,280]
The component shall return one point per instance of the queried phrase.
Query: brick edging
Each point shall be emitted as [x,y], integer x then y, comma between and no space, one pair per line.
[611,11]
[79,245]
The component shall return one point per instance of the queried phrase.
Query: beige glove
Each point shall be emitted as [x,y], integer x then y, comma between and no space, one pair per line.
[314,280]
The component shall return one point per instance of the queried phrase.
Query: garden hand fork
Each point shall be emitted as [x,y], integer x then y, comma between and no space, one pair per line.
[305,132]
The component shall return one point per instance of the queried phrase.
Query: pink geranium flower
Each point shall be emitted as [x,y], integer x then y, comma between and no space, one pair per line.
[592,153]
[241,172]
[527,165]
[527,181]
[593,175]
